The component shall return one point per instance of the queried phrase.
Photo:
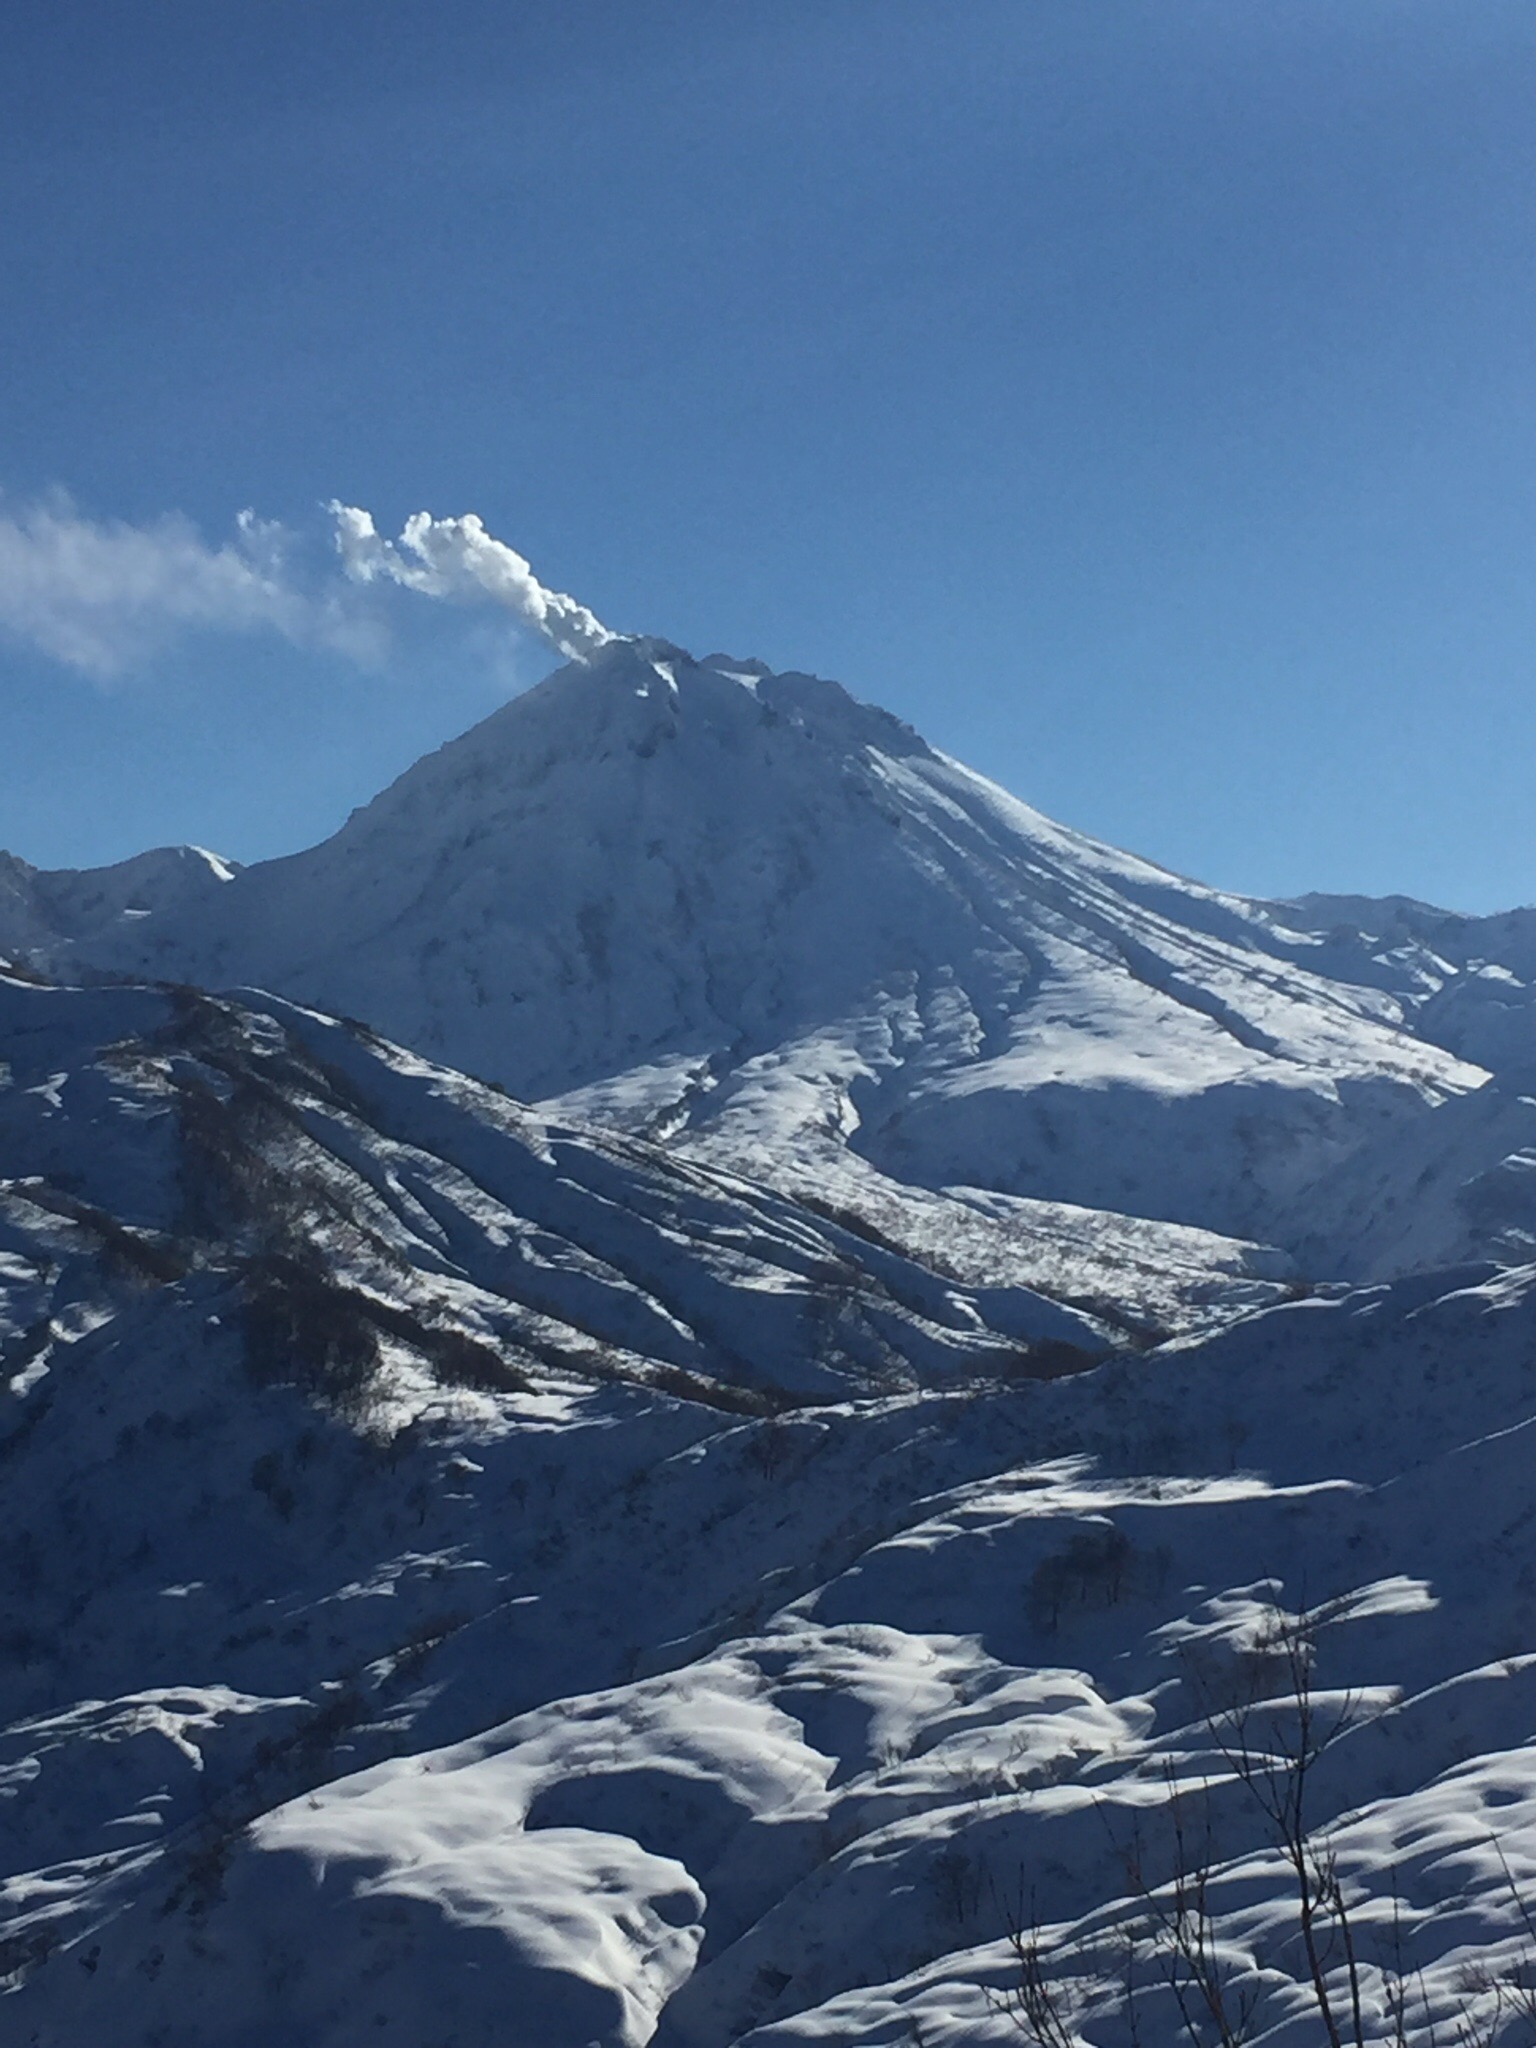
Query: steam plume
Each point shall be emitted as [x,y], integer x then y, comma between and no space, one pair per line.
[107,597]
[457,558]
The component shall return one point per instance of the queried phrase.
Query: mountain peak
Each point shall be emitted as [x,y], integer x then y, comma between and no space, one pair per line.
[83,905]
[744,911]
[641,690]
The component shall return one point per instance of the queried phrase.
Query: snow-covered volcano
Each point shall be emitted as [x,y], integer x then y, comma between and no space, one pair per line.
[745,913]
[474,1579]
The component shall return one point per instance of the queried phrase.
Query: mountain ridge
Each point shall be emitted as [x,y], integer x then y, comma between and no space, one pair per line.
[744,911]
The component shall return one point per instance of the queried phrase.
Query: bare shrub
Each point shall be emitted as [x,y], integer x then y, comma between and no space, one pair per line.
[1090,1572]
[301,1329]
[1273,1744]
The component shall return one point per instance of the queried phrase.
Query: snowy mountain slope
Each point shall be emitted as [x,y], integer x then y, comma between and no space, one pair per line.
[1439,1191]
[711,1556]
[747,915]
[274,1298]
[559,1713]
[39,909]
[1471,981]
[214,1136]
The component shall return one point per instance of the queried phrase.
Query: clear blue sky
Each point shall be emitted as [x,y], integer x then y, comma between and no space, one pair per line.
[1136,394]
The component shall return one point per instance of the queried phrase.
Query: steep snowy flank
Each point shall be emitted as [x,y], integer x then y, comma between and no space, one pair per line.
[765,924]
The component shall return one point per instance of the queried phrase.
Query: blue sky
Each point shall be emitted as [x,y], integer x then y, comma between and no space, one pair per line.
[1136,394]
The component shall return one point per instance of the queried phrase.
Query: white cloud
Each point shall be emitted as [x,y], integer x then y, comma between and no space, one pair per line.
[104,596]
[457,558]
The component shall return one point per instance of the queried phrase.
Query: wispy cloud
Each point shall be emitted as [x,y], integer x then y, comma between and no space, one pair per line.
[457,558]
[106,597]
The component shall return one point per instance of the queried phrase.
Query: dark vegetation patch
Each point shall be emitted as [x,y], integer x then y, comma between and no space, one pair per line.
[602,1362]
[22,970]
[1053,1358]
[149,1257]
[303,1327]
[860,1227]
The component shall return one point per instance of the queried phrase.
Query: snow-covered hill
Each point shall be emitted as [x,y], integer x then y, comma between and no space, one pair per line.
[40,911]
[874,1510]
[742,913]
[468,1581]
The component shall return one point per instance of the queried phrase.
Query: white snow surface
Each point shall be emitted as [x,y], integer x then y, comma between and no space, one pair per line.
[567,1686]
[973,1332]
